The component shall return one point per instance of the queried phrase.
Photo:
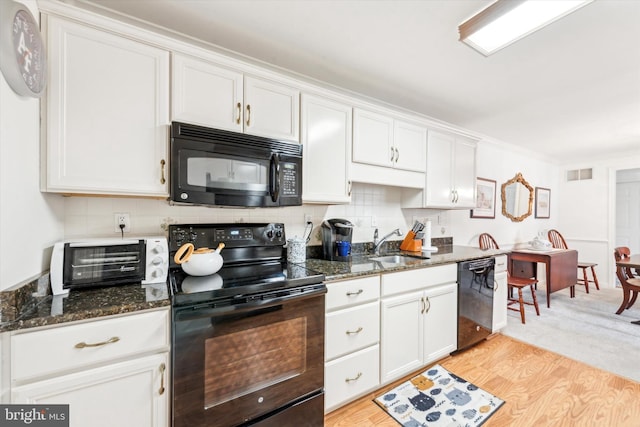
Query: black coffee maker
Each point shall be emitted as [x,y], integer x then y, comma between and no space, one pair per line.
[336,232]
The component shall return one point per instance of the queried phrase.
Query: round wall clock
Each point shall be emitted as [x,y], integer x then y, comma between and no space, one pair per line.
[23,58]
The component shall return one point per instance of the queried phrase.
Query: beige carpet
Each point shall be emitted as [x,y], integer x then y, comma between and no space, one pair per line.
[584,328]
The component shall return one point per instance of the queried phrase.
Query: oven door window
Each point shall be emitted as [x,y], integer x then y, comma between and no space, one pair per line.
[94,265]
[271,354]
[217,171]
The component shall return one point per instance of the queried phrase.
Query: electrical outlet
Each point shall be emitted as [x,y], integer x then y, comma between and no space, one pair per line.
[122,218]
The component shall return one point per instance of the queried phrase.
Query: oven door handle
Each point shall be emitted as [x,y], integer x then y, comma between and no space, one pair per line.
[209,310]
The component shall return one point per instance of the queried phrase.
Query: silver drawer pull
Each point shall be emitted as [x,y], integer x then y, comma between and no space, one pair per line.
[162,369]
[348,380]
[357,331]
[98,344]
[350,294]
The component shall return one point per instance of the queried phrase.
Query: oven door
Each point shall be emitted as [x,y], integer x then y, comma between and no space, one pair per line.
[243,364]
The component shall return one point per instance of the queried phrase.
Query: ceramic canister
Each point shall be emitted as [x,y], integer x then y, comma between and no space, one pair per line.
[296,250]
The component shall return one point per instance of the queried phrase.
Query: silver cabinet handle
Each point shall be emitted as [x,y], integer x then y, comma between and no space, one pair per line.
[357,331]
[351,294]
[348,380]
[248,115]
[162,369]
[397,155]
[162,179]
[239,108]
[349,192]
[98,344]
[393,154]
[428,306]
[422,304]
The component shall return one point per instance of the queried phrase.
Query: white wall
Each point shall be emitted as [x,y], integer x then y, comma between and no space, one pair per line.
[587,210]
[30,222]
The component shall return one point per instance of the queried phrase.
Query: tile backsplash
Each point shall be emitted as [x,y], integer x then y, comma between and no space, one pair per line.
[371,207]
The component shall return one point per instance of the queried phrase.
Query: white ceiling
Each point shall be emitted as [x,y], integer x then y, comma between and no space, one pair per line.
[569,91]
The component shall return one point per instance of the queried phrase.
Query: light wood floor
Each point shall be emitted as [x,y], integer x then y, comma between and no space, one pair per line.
[540,388]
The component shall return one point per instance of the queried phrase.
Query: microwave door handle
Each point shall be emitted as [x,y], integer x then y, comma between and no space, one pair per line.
[274,178]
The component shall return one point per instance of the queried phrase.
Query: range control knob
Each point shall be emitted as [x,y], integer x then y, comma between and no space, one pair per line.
[157,249]
[157,273]
[270,234]
[157,261]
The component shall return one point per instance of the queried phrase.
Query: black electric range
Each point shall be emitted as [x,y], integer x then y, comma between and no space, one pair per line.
[254,267]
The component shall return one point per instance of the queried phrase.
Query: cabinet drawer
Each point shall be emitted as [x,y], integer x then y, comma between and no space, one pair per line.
[411,280]
[501,263]
[350,292]
[54,350]
[352,329]
[350,376]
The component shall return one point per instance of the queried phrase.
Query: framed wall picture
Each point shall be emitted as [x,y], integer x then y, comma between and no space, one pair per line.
[485,199]
[543,202]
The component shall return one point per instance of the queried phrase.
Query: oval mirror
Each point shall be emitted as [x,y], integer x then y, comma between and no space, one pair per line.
[517,198]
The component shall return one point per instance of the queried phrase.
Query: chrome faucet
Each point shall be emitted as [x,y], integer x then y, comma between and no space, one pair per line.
[377,243]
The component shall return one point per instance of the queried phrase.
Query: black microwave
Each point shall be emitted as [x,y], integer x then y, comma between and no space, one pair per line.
[223,168]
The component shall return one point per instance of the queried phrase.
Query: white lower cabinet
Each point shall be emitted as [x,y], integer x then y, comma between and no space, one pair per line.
[500,294]
[351,376]
[113,371]
[419,318]
[352,334]
[127,394]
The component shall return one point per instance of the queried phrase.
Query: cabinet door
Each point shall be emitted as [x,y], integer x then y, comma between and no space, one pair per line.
[464,173]
[439,172]
[127,394]
[326,136]
[499,320]
[271,109]
[410,141]
[372,138]
[441,321]
[205,94]
[402,335]
[107,113]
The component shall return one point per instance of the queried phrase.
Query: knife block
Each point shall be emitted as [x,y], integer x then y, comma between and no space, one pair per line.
[410,243]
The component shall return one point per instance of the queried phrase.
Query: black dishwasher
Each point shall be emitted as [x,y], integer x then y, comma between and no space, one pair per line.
[476,286]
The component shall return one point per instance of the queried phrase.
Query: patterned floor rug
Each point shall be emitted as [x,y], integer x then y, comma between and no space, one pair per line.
[439,398]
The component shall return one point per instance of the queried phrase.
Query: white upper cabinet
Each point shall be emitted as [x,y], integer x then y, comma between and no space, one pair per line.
[381,140]
[207,94]
[106,113]
[326,138]
[451,171]
[410,145]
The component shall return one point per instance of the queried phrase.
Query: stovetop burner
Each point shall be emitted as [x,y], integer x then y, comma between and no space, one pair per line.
[254,264]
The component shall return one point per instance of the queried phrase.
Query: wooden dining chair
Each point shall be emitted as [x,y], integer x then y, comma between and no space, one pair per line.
[630,283]
[486,241]
[558,242]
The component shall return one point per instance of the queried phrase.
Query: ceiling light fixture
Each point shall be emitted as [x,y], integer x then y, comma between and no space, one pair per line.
[506,21]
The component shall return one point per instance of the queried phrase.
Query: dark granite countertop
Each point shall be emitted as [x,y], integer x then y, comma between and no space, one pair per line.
[363,265]
[86,304]
[27,308]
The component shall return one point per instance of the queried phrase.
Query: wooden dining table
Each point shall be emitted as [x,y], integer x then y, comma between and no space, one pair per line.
[561,268]
[632,262]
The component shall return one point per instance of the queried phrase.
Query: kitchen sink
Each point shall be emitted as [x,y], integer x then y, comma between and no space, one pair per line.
[397,259]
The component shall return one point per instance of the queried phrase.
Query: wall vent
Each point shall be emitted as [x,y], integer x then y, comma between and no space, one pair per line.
[579,174]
